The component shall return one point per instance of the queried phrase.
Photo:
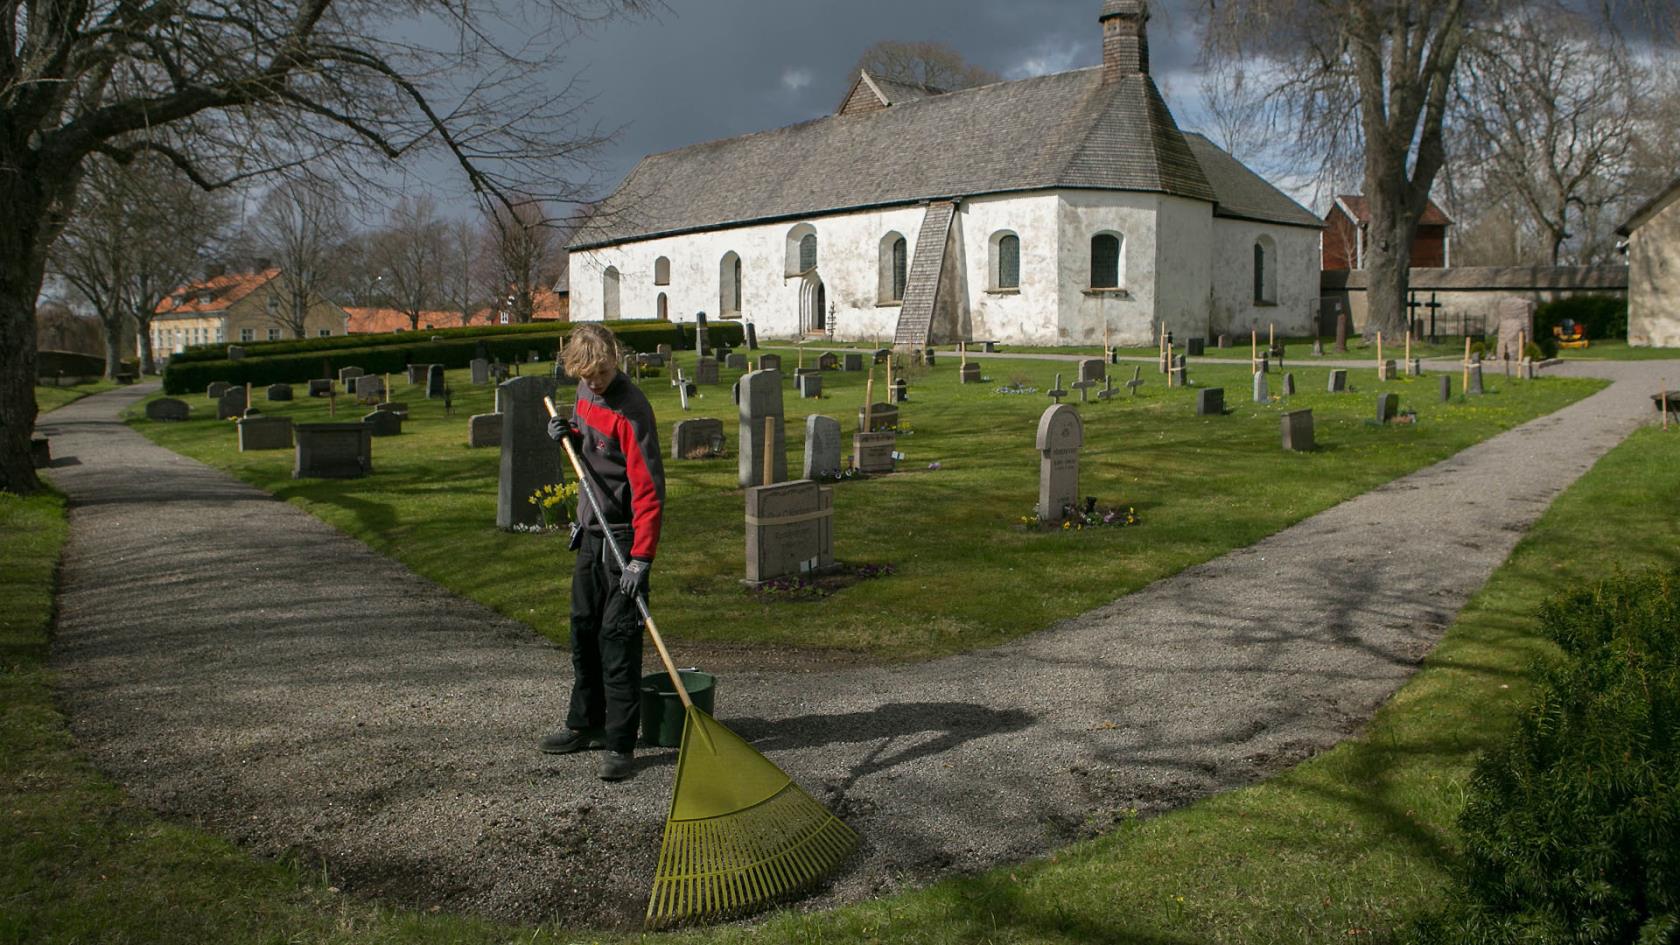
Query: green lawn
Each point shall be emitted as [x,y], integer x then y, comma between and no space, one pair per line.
[1343,847]
[52,398]
[1202,486]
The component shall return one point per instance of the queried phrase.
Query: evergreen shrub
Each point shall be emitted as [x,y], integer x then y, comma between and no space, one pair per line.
[1601,316]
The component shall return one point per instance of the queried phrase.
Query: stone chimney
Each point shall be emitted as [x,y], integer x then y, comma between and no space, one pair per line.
[1125,45]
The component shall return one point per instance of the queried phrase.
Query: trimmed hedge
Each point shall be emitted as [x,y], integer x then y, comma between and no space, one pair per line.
[1572,828]
[379,354]
[1602,316]
[266,349]
[51,364]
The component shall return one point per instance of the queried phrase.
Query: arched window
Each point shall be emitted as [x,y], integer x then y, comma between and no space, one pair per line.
[1105,261]
[1006,260]
[661,308]
[729,286]
[1265,271]
[662,271]
[801,249]
[894,268]
[609,294]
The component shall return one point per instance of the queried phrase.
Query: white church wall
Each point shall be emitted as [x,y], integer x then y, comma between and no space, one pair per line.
[1183,268]
[1297,274]
[1130,312]
[1024,315]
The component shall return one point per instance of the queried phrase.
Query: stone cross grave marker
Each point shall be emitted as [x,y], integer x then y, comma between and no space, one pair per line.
[484,430]
[332,450]
[790,530]
[1136,381]
[1083,386]
[1060,435]
[822,447]
[434,381]
[1107,393]
[530,460]
[1338,380]
[758,395]
[1210,402]
[265,433]
[1057,393]
[699,438]
[1298,430]
[168,408]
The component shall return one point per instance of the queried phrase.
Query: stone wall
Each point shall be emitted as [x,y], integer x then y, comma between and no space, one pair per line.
[1471,292]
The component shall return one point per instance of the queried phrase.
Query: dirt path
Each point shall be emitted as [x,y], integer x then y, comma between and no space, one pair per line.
[235,663]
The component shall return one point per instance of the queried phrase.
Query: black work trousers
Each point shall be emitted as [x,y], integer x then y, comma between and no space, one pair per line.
[606,648]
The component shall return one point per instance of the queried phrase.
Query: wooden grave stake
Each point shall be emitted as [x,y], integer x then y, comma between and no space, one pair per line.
[891,359]
[1408,353]
[1466,387]
[1664,383]
[1271,337]
[247,395]
[769,450]
[869,402]
[1522,348]
[1379,353]
[1169,364]
[387,386]
[1253,351]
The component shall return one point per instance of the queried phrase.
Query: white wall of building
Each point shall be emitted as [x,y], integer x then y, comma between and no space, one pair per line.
[1082,312]
[1014,315]
[1184,268]
[1234,310]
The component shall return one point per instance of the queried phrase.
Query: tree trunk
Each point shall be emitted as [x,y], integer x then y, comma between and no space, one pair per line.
[1388,261]
[113,347]
[148,360]
[17,353]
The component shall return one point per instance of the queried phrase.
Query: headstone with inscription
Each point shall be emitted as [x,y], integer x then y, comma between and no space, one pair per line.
[1298,430]
[1475,378]
[872,453]
[530,460]
[706,370]
[1388,406]
[699,438]
[320,387]
[770,362]
[758,395]
[736,362]
[877,417]
[345,374]
[231,404]
[1195,347]
[265,433]
[853,361]
[1262,395]
[1060,435]
[332,450]
[1092,369]
[828,361]
[810,385]
[168,408]
[278,392]
[434,381]
[235,353]
[480,371]
[822,447]
[1210,402]
[1338,380]
[384,423]
[790,530]
[969,373]
[700,339]
[484,430]
[216,389]
[1289,385]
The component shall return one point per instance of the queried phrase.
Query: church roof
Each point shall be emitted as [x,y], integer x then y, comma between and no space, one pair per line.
[1068,130]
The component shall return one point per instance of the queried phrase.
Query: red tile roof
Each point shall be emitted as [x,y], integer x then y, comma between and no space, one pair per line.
[214,294]
[376,321]
[1361,211]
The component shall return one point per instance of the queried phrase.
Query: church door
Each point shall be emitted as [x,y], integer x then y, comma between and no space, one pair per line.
[813,305]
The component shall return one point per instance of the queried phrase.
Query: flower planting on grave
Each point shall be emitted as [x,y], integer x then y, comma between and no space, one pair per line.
[805,587]
[1090,515]
[557,502]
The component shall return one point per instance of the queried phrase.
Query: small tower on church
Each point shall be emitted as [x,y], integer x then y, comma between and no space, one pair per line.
[1125,45]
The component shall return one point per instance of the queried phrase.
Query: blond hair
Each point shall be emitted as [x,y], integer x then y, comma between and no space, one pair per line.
[590,349]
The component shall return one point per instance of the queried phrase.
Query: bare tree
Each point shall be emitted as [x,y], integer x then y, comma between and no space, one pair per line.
[928,64]
[173,226]
[302,228]
[1546,107]
[1237,108]
[92,255]
[463,286]
[258,86]
[521,245]
[410,255]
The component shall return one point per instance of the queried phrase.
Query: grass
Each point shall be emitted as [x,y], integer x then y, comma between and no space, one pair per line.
[1619,351]
[1343,847]
[52,398]
[1201,485]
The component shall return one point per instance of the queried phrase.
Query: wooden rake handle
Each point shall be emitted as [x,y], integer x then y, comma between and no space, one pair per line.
[618,556]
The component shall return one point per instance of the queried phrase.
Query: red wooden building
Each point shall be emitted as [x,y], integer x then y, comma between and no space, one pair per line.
[1344,236]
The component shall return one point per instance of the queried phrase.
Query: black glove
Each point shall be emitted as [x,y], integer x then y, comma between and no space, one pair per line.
[560,428]
[633,580]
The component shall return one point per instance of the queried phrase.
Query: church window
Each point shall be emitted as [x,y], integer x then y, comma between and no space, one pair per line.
[1006,260]
[729,285]
[662,308]
[894,268]
[1105,261]
[808,252]
[662,271]
[1265,271]
[609,294]
[801,250]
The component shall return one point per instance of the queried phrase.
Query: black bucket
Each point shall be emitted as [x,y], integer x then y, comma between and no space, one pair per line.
[662,708]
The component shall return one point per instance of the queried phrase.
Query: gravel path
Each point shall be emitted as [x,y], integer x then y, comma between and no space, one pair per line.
[235,663]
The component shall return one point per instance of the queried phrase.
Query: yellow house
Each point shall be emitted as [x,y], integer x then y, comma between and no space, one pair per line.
[1653,239]
[233,308]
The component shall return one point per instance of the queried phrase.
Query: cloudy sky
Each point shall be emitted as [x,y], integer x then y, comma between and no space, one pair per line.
[707,69]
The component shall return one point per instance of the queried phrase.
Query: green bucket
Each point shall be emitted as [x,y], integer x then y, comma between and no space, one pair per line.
[662,708]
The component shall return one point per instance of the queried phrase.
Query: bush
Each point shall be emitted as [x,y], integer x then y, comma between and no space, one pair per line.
[1572,828]
[51,364]
[297,361]
[1601,316]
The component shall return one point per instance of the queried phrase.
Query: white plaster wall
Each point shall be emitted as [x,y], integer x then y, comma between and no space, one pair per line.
[1183,268]
[1081,313]
[1025,315]
[848,258]
[1233,309]
[1654,281]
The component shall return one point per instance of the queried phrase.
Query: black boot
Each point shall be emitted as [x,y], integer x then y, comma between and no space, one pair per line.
[569,740]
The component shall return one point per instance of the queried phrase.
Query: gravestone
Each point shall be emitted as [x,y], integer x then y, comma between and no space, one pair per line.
[822,447]
[231,404]
[1084,388]
[480,371]
[384,423]
[216,389]
[1341,331]
[345,374]
[434,381]
[969,373]
[1180,374]
[1387,371]
[930,357]
[168,408]
[278,392]
[1262,394]
[416,373]
[700,438]
[1388,405]
[651,360]
[562,380]
[1515,317]
[265,433]
[770,362]
[1298,430]
[498,372]
[1224,341]
[1475,378]
[790,530]
[1136,381]
[1060,435]
[321,387]
[736,362]
[872,453]
[1338,380]
[1414,367]
[883,355]
[810,385]
[828,361]
[1525,369]
[1318,347]
[1446,388]
[877,418]
[484,430]
[706,370]
[700,339]
[1210,402]
[394,406]
[1057,392]
[663,350]
[369,385]
[530,460]
[332,450]
[235,353]
[546,384]
[1289,385]
[1195,347]
[758,395]
[1264,364]
[900,390]
[854,361]
[1092,369]
[752,337]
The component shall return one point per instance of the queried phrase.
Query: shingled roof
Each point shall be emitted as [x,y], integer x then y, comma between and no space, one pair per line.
[1066,130]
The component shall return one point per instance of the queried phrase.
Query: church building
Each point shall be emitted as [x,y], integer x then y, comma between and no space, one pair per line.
[1038,211]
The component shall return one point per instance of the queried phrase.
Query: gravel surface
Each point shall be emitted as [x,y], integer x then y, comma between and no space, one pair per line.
[232,662]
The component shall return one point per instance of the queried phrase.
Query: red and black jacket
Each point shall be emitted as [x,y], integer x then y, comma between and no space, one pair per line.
[621,457]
